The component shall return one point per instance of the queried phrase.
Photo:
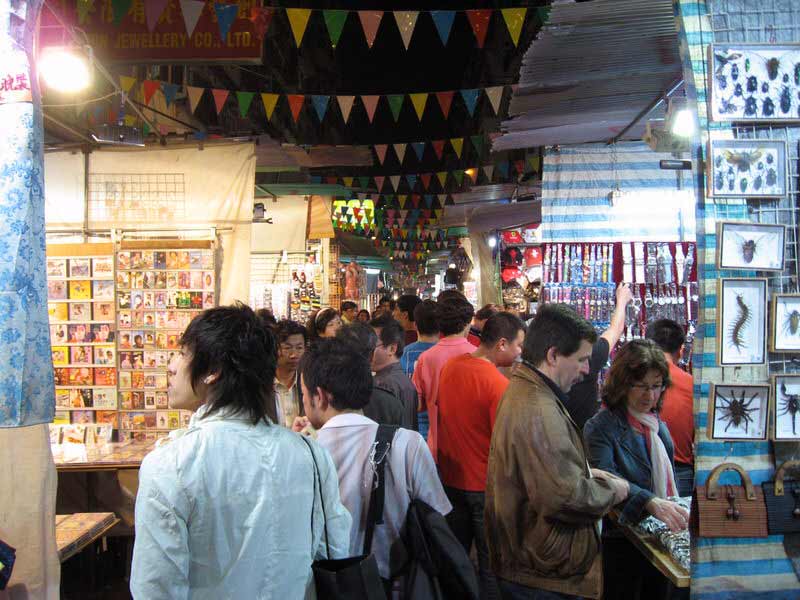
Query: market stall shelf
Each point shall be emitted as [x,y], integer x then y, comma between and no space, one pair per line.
[107,457]
[80,294]
[77,531]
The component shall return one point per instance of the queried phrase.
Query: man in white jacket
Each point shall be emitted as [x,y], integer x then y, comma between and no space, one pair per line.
[225,510]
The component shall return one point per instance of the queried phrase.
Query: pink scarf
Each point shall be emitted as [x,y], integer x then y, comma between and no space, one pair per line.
[663,475]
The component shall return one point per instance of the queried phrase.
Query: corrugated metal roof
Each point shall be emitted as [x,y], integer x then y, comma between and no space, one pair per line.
[592,69]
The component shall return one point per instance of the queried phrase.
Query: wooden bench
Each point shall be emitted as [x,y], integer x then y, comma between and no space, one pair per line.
[77,531]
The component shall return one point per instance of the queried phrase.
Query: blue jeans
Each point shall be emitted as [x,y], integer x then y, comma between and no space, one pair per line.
[515,591]
[466,522]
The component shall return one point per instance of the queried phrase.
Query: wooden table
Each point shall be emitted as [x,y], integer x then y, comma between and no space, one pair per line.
[656,554]
[77,531]
[107,457]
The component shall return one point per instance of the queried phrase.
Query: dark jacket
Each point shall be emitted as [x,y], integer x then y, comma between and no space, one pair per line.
[613,446]
[385,409]
[542,505]
[394,379]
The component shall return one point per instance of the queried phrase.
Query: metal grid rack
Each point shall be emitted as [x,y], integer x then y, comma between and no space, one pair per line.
[137,198]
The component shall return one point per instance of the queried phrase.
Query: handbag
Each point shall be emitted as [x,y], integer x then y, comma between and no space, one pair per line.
[7,557]
[356,577]
[729,511]
[783,501]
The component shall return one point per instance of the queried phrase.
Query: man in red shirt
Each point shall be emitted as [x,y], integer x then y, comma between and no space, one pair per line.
[678,405]
[470,388]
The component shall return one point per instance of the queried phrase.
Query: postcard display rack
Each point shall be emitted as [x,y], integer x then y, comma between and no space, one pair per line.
[161,287]
[81,308]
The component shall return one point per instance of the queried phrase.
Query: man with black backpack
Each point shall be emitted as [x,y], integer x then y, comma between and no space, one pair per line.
[336,383]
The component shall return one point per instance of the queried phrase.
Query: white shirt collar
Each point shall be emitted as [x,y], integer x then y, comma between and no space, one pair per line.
[348,420]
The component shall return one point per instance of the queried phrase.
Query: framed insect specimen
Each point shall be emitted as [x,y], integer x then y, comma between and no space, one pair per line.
[754,82]
[746,168]
[742,321]
[738,412]
[786,414]
[785,331]
[754,246]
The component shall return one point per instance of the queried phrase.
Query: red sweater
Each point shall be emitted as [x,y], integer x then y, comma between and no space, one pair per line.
[677,412]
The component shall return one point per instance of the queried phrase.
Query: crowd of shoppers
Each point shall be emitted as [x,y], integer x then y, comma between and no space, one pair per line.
[485,422]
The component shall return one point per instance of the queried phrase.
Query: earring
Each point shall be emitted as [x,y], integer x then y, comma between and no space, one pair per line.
[208,380]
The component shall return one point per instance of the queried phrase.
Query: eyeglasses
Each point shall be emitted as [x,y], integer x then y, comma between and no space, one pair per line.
[287,349]
[643,387]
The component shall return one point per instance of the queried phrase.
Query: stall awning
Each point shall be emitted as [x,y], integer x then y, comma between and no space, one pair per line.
[591,70]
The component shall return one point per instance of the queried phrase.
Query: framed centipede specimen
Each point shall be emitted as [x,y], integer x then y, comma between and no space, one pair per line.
[786,412]
[785,329]
[738,412]
[742,321]
[746,168]
[756,246]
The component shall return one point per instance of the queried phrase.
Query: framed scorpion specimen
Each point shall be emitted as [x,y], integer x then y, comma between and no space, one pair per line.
[742,321]
[746,168]
[738,412]
[753,246]
[785,330]
[786,414]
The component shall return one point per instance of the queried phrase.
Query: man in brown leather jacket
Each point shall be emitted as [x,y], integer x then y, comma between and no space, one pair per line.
[544,504]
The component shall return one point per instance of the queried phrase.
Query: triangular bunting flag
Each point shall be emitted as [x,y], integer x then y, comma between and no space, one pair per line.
[226,15]
[379,179]
[419,149]
[370,20]
[170,91]
[445,101]
[295,104]
[130,120]
[535,162]
[488,170]
[395,180]
[495,95]
[245,99]
[363,182]
[395,104]
[470,98]
[348,181]
[443,19]
[269,100]
[345,105]
[380,152]
[503,169]
[406,21]
[334,20]
[442,177]
[479,19]
[195,94]
[458,145]
[261,17]
[477,142]
[191,10]
[126,83]
[150,87]
[120,8]
[426,180]
[401,200]
[428,203]
[514,18]
[400,151]
[370,103]
[419,100]
[438,147]
[320,104]
[153,10]
[412,181]
[520,166]
[220,96]
[298,19]
[458,176]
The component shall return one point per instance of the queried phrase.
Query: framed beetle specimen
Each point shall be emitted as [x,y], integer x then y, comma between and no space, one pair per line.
[754,82]
[746,168]
[742,322]
[785,330]
[756,246]
[786,414]
[738,412]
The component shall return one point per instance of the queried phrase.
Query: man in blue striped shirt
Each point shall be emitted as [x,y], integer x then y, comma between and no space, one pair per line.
[428,336]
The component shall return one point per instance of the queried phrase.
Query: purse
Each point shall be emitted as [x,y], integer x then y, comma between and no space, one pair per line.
[7,557]
[783,501]
[729,511]
[356,577]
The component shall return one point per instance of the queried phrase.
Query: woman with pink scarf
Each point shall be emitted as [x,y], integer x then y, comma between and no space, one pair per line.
[628,439]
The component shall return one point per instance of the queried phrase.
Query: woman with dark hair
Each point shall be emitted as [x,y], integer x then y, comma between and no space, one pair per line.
[323,324]
[628,439]
[216,514]
[363,316]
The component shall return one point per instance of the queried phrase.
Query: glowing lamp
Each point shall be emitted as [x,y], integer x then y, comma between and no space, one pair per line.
[65,69]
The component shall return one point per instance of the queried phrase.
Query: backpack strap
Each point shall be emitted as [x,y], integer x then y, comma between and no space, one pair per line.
[377,458]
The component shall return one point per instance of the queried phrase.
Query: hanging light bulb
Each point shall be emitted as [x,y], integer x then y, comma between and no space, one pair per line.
[492,241]
[65,69]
